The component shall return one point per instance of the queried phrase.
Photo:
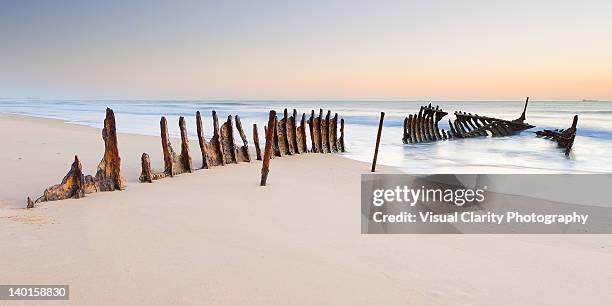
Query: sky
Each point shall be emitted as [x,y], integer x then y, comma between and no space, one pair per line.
[366,50]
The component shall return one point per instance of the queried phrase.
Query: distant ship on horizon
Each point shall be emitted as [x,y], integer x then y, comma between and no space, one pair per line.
[589,100]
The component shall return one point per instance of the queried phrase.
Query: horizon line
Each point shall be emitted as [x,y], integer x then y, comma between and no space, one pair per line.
[305,100]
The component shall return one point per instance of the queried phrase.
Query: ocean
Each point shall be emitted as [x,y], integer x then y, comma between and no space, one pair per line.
[522,153]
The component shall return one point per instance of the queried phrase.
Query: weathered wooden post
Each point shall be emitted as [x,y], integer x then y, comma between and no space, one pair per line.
[256,142]
[265,169]
[380,126]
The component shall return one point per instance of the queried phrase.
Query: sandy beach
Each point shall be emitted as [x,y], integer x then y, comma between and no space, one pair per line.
[217,237]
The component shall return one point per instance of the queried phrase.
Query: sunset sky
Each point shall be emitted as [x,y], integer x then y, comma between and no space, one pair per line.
[392,50]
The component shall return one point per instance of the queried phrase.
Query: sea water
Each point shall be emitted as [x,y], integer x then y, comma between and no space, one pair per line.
[522,153]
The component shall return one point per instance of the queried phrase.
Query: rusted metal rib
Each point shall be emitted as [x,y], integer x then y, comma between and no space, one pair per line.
[243,151]
[289,130]
[227,141]
[333,131]
[265,169]
[216,153]
[108,174]
[423,127]
[185,157]
[311,124]
[325,134]
[293,132]
[301,135]
[281,132]
[405,139]
[380,127]
[564,138]
[341,140]
[204,145]
[256,142]
[316,127]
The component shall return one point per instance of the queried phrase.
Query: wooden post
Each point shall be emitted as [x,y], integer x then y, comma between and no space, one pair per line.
[380,126]
[256,142]
[265,169]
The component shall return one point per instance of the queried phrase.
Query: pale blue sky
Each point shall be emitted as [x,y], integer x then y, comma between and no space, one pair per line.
[306,50]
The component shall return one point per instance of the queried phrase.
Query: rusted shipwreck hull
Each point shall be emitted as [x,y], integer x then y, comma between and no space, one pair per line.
[563,137]
[219,151]
[289,138]
[424,126]
[285,137]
